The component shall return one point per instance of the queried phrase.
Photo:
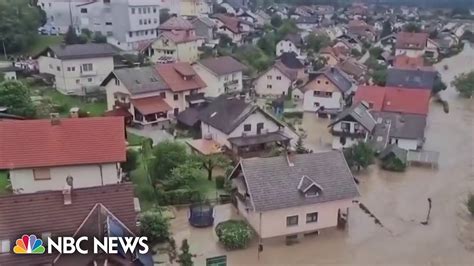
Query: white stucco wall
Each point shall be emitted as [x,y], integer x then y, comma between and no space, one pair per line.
[278,86]
[83,176]
[285,46]
[409,52]
[110,89]
[407,144]
[333,102]
[72,81]
[215,84]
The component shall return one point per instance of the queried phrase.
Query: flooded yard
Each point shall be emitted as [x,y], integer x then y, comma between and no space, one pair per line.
[399,200]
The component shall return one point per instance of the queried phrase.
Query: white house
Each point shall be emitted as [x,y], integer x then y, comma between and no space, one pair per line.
[291,43]
[327,90]
[233,27]
[294,195]
[221,75]
[152,95]
[175,46]
[243,128]
[77,68]
[84,151]
[280,77]
[194,8]
[415,45]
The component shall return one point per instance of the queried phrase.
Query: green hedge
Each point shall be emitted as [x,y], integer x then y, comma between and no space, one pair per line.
[293,115]
[234,234]
[394,164]
[178,196]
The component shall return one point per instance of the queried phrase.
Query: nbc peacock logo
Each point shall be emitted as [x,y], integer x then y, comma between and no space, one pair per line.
[29,245]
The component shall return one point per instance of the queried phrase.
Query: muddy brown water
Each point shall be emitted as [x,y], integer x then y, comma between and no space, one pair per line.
[399,200]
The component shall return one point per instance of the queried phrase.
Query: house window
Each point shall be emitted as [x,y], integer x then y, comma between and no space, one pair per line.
[50,66]
[154,10]
[247,127]
[68,69]
[89,79]
[292,220]
[155,20]
[345,126]
[133,10]
[5,246]
[130,34]
[315,93]
[87,67]
[269,77]
[316,104]
[278,77]
[73,68]
[41,174]
[319,81]
[140,22]
[311,217]
[108,23]
[163,95]
[328,94]
[58,68]
[175,96]
[327,82]
[269,86]
[78,81]
[117,82]
[176,111]
[84,10]
[259,128]
[139,10]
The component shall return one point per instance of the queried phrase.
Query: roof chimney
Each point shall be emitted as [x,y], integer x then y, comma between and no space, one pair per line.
[54,119]
[67,194]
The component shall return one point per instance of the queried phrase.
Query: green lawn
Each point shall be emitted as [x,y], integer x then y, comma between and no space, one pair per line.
[4,182]
[134,140]
[41,43]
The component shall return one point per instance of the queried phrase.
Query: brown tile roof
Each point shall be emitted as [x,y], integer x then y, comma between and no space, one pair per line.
[411,40]
[151,105]
[353,68]
[223,65]
[179,36]
[45,212]
[176,23]
[407,62]
[75,141]
[292,74]
[173,76]
[232,23]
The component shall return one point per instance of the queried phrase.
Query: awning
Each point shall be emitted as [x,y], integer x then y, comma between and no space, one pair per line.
[151,105]
[258,139]
[204,146]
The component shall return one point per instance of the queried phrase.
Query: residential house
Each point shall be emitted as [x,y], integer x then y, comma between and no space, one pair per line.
[327,90]
[243,128]
[334,55]
[42,154]
[352,125]
[262,18]
[77,68]
[415,45]
[173,6]
[394,99]
[348,42]
[281,76]
[294,195]
[58,13]
[362,30]
[307,23]
[128,24]
[153,95]
[234,7]
[354,69]
[411,78]
[194,8]
[97,211]
[8,71]
[205,28]
[333,32]
[406,62]
[291,43]
[221,74]
[233,27]
[324,11]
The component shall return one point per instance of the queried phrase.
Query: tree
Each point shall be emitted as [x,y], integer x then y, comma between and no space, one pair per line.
[276,21]
[71,36]
[167,156]
[19,23]
[470,204]
[355,52]
[379,77]
[267,44]
[183,174]
[316,42]
[131,163]
[185,258]
[412,27]
[386,28]
[225,40]
[319,63]
[360,155]
[464,84]
[376,52]
[209,162]
[15,96]
[155,226]
[99,38]
[172,253]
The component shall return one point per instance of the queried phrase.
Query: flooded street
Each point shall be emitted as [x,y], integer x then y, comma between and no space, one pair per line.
[398,200]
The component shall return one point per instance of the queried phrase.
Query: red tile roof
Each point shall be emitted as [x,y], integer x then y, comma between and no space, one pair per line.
[407,62]
[395,99]
[176,81]
[75,141]
[232,23]
[45,212]
[411,40]
[176,23]
[151,105]
[179,36]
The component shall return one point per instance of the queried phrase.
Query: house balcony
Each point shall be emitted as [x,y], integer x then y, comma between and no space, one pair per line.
[256,145]
[346,133]
[231,83]
[124,105]
[88,73]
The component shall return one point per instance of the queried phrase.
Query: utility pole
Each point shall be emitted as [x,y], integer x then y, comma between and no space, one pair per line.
[4,49]
[70,12]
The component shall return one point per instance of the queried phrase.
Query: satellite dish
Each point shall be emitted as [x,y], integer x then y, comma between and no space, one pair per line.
[69,180]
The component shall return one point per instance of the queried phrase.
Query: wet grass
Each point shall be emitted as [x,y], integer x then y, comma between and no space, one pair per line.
[4,182]
[41,43]
[95,108]
[134,140]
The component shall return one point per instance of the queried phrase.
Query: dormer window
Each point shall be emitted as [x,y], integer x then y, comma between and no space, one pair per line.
[309,188]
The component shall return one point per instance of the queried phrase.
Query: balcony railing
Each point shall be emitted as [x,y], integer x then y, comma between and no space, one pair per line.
[231,82]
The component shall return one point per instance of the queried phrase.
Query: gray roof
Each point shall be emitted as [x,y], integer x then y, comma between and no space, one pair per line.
[338,77]
[205,20]
[295,38]
[396,151]
[405,126]
[407,78]
[273,184]
[78,51]
[223,65]
[226,112]
[139,80]
[360,113]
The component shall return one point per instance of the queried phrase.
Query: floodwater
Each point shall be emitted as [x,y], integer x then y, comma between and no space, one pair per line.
[399,201]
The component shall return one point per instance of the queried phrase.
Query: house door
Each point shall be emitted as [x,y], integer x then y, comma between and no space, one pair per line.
[259,128]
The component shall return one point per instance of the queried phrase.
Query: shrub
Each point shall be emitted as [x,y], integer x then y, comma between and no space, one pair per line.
[179,196]
[131,163]
[394,164]
[220,180]
[145,192]
[234,234]
[470,204]
[155,226]
[293,115]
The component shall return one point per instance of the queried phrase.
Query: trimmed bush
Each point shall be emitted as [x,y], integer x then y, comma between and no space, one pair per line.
[155,226]
[470,204]
[234,234]
[178,197]
[220,180]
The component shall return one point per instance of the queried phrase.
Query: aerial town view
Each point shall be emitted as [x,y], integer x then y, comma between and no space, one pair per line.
[236,132]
